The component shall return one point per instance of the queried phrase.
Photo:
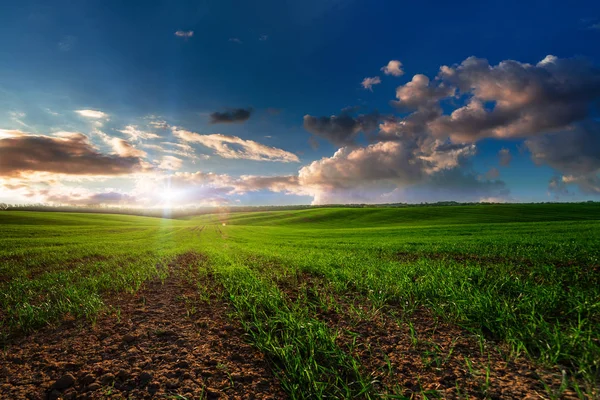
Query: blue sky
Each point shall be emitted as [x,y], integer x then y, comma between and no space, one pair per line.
[281,61]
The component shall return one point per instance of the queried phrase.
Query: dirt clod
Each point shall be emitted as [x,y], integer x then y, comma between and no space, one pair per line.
[65,381]
[93,386]
[129,338]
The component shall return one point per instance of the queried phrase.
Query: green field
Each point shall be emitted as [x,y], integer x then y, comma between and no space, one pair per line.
[522,280]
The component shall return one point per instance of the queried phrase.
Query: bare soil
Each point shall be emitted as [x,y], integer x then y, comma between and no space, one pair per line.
[162,342]
[431,359]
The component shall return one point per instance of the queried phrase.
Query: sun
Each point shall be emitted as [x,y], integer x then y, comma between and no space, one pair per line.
[168,195]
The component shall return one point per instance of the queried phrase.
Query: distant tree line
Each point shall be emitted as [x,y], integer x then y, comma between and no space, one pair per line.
[191,211]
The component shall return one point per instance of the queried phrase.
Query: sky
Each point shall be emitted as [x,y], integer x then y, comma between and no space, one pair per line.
[195,103]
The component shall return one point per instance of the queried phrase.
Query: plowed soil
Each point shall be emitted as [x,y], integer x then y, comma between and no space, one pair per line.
[163,342]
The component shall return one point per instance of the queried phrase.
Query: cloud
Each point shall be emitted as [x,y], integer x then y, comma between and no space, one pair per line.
[575,153]
[588,184]
[235,40]
[514,99]
[350,167]
[504,157]
[184,34]
[557,187]
[172,148]
[71,153]
[159,124]
[394,68]
[263,37]
[419,93]
[399,162]
[136,134]
[18,118]
[93,114]
[170,163]
[493,173]
[125,149]
[236,148]
[252,183]
[194,188]
[235,115]
[341,130]
[368,83]
[76,198]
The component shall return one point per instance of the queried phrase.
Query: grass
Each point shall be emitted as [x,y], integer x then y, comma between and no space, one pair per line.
[527,276]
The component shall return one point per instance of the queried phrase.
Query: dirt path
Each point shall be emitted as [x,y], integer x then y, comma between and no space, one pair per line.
[163,342]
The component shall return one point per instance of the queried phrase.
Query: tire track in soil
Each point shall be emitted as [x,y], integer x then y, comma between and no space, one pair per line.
[436,361]
[162,342]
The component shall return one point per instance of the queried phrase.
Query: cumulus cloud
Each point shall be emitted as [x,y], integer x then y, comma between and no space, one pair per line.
[514,99]
[394,68]
[184,34]
[402,163]
[234,147]
[93,114]
[341,130]
[504,157]
[420,93]
[263,37]
[574,152]
[70,153]
[235,40]
[235,115]
[368,83]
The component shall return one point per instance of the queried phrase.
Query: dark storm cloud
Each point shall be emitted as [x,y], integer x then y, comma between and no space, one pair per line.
[342,129]
[235,115]
[68,154]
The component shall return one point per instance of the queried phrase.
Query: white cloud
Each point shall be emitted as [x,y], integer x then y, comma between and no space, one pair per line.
[394,68]
[93,114]
[184,34]
[170,163]
[136,134]
[368,83]
[235,147]
[125,149]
